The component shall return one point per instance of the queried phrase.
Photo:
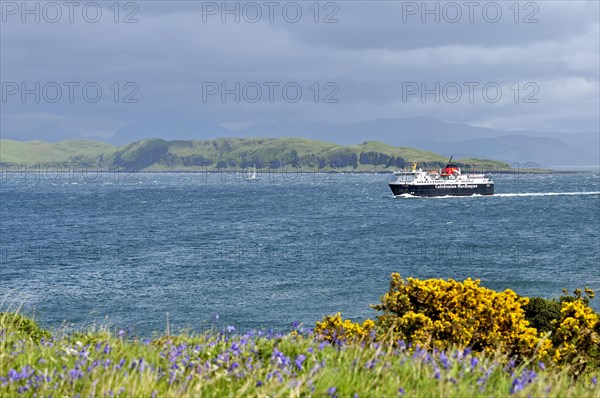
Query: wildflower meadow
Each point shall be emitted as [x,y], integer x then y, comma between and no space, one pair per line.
[423,343]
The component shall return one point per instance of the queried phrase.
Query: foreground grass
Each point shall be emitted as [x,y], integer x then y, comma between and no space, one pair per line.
[101,364]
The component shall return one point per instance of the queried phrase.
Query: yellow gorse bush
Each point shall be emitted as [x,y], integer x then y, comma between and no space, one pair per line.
[437,313]
[445,313]
[333,327]
[577,335]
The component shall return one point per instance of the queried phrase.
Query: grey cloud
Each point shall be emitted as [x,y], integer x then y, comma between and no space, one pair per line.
[369,54]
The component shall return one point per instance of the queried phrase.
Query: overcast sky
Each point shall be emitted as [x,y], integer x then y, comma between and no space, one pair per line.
[369,60]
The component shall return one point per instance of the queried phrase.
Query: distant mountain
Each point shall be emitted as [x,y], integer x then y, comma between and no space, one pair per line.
[194,129]
[518,149]
[48,133]
[544,148]
[588,142]
[230,154]
[391,131]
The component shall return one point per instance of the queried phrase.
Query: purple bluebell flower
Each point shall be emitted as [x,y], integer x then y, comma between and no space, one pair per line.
[594,380]
[519,383]
[280,358]
[234,366]
[235,348]
[75,374]
[444,360]
[259,383]
[299,360]
[401,391]
[331,391]
[12,375]
[510,365]
[142,365]
[516,386]
[370,364]
[230,328]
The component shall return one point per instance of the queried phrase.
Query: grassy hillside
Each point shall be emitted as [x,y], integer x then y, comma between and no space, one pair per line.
[32,152]
[230,154]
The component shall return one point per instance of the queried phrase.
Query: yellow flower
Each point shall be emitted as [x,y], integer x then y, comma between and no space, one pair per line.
[450,313]
[333,328]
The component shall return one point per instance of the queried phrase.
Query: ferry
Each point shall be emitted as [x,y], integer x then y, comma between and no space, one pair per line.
[448,181]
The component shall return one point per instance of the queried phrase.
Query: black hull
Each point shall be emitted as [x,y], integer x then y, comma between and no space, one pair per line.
[439,190]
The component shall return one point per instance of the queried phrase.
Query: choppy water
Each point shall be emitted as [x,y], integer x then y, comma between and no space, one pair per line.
[288,248]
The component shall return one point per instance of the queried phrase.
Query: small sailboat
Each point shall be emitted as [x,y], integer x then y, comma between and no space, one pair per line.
[253,177]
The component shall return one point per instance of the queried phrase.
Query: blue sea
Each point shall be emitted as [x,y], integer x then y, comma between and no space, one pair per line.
[126,250]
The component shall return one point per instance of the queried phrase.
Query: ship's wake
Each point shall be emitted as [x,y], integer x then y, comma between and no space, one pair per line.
[547,194]
[409,196]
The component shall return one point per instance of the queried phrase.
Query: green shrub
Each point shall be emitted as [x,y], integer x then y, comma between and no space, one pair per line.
[22,327]
[541,313]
